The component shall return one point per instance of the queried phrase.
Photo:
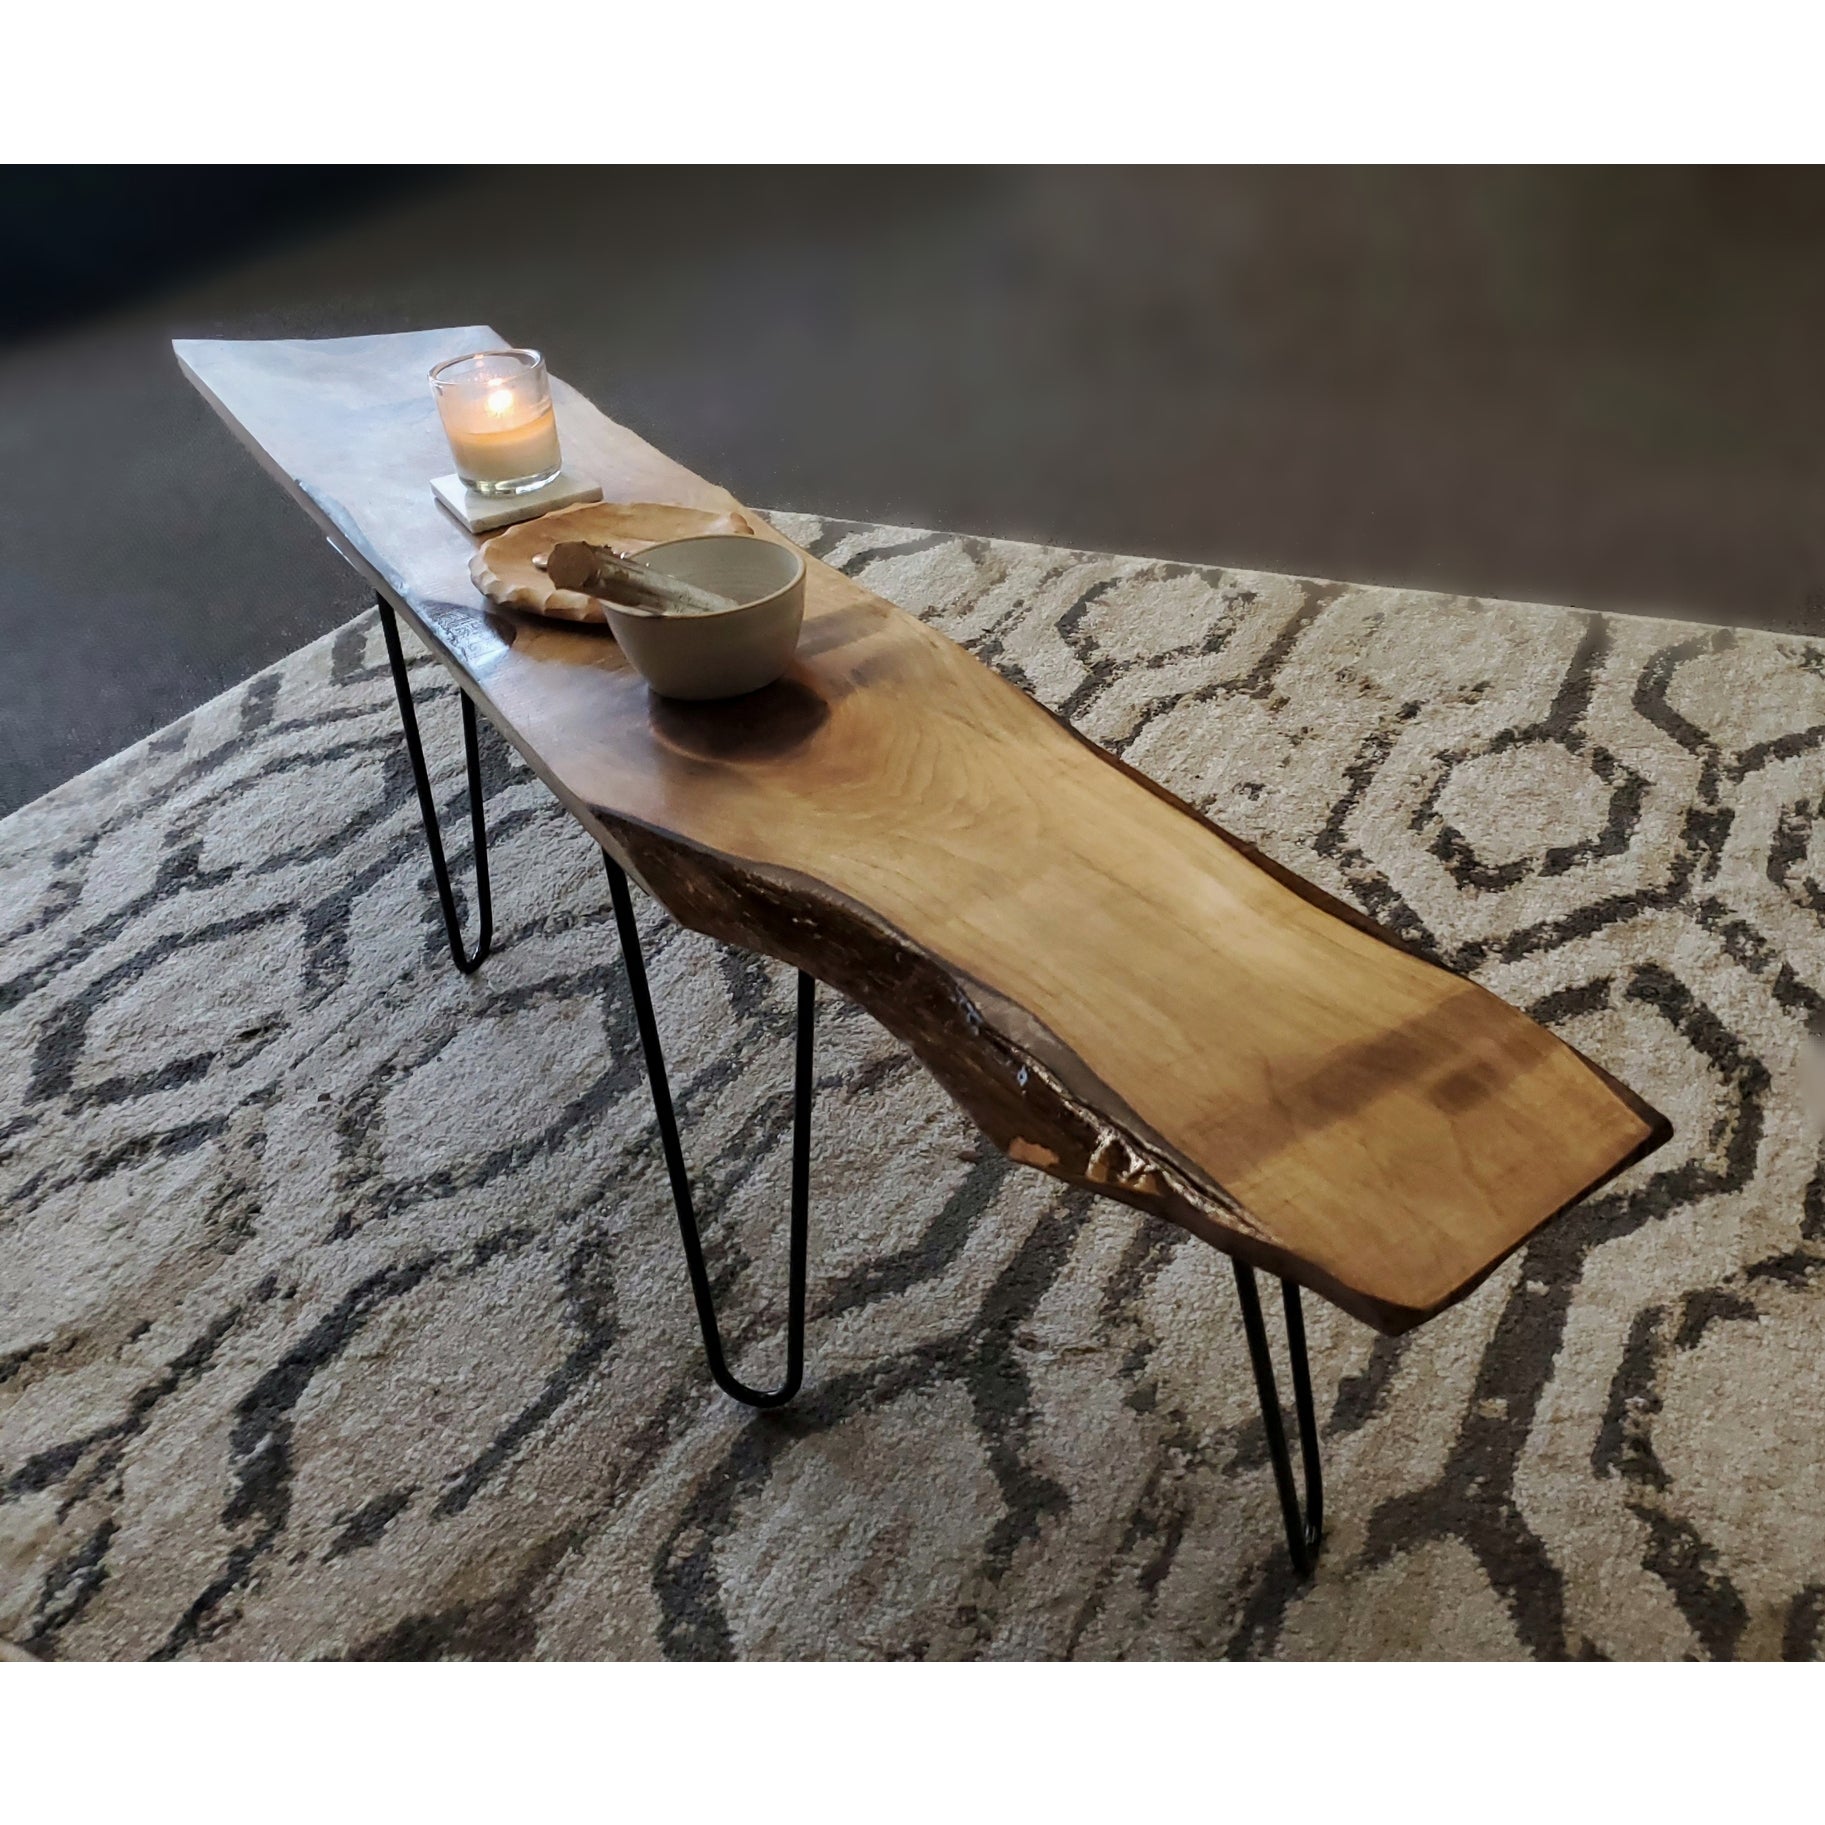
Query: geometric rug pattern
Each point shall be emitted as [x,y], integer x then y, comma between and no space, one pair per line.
[342,1310]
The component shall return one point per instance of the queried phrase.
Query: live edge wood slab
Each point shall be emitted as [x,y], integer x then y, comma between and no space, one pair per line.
[1118,992]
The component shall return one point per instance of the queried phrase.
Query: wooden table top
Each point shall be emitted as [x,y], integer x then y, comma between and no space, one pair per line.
[1114,989]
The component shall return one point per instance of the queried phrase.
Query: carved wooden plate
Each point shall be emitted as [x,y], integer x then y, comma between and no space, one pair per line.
[504,571]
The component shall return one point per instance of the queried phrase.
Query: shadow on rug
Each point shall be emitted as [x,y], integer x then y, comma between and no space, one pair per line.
[341,1305]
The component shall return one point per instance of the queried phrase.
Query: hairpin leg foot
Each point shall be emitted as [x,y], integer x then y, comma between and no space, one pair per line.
[799,1222]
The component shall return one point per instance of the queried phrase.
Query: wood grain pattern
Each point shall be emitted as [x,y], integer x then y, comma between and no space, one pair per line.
[1116,991]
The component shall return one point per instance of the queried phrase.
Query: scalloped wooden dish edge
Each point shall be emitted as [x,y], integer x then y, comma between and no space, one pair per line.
[574,605]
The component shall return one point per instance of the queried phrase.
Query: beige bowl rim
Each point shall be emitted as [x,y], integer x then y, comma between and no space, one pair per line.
[720,538]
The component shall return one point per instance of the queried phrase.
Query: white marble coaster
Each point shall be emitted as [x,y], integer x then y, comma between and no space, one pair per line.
[490,512]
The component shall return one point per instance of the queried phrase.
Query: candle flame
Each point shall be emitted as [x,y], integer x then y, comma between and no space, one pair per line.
[499,401]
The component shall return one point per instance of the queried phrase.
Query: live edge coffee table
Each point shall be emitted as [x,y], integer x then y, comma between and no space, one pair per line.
[1117,991]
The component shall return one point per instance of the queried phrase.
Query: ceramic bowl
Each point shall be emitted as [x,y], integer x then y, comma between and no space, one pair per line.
[721,655]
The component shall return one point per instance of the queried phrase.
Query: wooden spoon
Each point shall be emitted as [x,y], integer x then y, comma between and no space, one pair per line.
[600,570]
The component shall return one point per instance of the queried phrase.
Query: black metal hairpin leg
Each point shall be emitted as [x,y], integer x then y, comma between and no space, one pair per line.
[1303,1531]
[408,717]
[681,1186]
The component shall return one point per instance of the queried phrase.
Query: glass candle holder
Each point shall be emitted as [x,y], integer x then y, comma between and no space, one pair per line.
[496,412]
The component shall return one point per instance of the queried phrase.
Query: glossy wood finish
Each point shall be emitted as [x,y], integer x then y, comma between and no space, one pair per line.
[1115,990]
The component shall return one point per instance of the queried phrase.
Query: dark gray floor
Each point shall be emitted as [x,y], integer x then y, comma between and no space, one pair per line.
[1598,388]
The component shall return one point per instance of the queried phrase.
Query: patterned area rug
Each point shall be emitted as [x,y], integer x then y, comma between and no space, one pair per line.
[341,1304]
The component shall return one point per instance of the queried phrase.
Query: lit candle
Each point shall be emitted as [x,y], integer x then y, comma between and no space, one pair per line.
[496,412]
